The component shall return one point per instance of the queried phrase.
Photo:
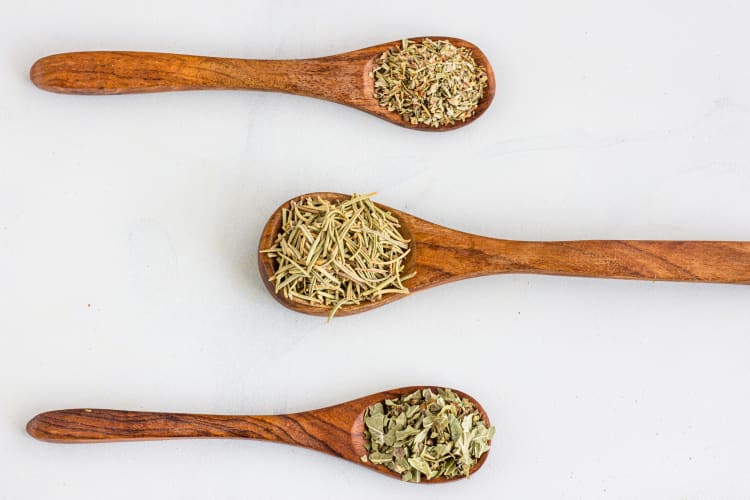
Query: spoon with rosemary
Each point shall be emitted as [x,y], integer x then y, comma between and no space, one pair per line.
[454,428]
[427,83]
[435,255]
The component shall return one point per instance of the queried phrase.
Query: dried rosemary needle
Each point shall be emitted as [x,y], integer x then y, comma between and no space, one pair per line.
[333,254]
[430,82]
[424,435]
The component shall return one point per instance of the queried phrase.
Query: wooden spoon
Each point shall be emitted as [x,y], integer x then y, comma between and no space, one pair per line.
[337,430]
[440,255]
[343,78]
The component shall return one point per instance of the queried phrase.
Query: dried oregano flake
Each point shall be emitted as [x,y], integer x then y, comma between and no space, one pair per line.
[430,82]
[424,435]
[333,254]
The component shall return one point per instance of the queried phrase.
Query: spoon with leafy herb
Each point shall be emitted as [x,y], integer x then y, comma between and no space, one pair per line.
[413,433]
[329,253]
[428,83]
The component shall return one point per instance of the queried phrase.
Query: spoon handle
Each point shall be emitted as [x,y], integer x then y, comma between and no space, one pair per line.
[89,425]
[697,261]
[98,73]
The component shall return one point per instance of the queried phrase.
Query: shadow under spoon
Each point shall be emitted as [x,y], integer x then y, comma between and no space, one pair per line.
[441,255]
[343,78]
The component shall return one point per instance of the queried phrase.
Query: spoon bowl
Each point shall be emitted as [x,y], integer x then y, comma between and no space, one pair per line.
[343,78]
[267,266]
[441,255]
[336,430]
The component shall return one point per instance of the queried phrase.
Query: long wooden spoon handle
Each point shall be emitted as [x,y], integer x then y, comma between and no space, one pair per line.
[323,430]
[89,425]
[700,261]
[141,72]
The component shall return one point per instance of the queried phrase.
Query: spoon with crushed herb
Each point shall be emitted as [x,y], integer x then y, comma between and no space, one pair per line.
[430,83]
[416,434]
[332,254]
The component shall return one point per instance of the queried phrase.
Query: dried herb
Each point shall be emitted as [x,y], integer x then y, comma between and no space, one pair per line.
[431,82]
[337,253]
[424,435]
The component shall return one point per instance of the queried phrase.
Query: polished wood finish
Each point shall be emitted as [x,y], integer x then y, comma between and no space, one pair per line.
[440,255]
[336,430]
[343,78]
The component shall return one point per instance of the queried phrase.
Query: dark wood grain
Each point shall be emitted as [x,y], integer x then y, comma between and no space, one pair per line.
[336,430]
[441,255]
[343,78]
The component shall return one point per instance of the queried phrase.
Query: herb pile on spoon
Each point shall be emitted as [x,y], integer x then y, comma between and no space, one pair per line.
[430,82]
[426,435]
[337,253]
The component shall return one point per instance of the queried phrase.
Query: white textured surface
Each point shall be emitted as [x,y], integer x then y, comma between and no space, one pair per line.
[129,225]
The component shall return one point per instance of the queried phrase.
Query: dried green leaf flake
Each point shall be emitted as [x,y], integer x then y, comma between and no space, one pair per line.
[429,82]
[336,254]
[426,434]
[380,458]
[421,465]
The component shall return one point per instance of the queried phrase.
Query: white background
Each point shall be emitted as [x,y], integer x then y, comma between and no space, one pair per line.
[129,228]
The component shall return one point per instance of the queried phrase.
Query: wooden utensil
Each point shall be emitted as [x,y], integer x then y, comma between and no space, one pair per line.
[343,78]
[440,255]
[337,430]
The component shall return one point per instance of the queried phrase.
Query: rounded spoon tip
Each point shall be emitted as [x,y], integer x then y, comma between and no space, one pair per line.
[267,267]
[375,108]
[358,434]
